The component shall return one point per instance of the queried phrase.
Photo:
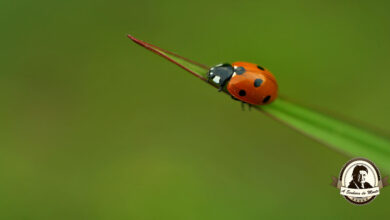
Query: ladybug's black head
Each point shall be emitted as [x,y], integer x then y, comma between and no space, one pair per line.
[220,74]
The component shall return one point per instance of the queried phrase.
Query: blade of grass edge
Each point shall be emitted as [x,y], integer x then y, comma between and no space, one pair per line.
[340,136]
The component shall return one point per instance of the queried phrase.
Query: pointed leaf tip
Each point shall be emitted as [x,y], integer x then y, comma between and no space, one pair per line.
[140,42]
[195,68]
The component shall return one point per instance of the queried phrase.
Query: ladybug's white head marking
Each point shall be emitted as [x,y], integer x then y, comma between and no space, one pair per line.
[220,74]
[216,79]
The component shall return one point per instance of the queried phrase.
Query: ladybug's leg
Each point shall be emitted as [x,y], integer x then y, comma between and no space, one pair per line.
[250,106]
[221,85]
[243,106]
[233,97]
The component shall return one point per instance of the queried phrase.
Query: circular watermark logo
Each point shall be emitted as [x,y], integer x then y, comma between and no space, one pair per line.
[359,181]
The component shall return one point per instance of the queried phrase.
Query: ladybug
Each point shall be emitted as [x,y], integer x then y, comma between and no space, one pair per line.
[247,82]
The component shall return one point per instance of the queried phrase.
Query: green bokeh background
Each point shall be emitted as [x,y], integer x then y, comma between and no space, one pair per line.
[95,127]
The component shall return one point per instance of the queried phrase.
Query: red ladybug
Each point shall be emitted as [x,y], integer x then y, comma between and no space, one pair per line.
[247,82]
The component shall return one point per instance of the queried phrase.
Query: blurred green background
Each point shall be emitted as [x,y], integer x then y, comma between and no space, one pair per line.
[95,127]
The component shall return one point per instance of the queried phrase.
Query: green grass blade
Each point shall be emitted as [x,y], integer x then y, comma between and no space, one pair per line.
[341,136]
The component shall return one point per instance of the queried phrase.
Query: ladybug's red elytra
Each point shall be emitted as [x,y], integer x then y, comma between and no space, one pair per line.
[247,82]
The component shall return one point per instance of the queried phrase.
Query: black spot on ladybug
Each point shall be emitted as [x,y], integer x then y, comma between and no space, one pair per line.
[266,99]
[240,70]
[258,82]
[260,67]
[242,92]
